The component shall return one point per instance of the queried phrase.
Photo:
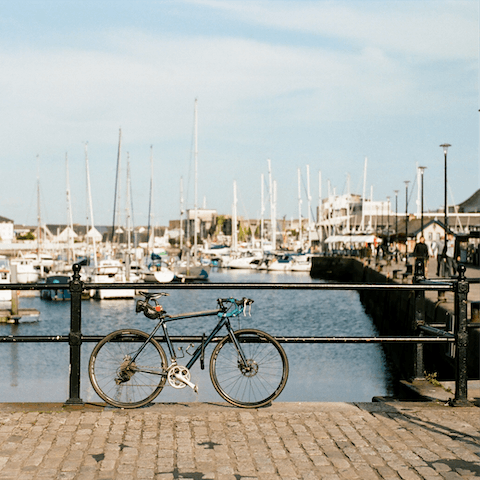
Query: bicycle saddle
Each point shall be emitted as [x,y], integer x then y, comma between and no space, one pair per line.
[149,295]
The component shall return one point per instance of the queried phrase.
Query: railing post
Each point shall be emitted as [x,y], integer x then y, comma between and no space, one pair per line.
[419,320]
[75,336]
[461,335]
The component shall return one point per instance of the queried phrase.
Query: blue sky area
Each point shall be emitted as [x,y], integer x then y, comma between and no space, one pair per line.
[323,83]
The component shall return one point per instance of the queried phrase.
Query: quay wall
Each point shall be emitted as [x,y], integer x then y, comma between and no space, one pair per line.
[393,314]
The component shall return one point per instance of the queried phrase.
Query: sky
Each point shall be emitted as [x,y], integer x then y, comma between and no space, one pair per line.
[318,83]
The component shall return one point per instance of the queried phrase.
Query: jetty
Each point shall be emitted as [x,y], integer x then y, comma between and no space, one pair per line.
[15,313]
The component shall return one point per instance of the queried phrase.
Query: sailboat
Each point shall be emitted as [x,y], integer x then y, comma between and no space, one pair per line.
[106,270]
[157,270]
[191,269]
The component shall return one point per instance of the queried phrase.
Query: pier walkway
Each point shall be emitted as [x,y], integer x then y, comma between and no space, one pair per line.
[391,440]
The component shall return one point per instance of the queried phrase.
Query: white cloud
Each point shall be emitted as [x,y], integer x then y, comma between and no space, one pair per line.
[436,29]
[145,80]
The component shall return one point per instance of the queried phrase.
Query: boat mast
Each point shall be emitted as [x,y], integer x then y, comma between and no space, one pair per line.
[70,254]
[300,223]
[362,225]
[150,205]
[234,218]
[128,222]
[117,184]
[309,202]
[262,210]
[275,213]
[181,213]
[272,206]
[348,203]
[320,208]
[39,218]
[89,192]
[196,179]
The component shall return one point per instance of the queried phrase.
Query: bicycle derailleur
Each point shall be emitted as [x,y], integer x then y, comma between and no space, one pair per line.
[126,371]
[179,377]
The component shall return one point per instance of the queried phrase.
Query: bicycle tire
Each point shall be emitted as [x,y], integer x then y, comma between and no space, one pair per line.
[136,388]
[262,381]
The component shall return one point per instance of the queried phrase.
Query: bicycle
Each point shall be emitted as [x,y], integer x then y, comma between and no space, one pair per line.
[129,368]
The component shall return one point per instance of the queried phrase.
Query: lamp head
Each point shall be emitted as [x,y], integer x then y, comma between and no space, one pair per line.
[445,147]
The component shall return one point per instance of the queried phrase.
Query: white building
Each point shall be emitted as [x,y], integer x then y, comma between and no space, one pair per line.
[6,230]
[349,214]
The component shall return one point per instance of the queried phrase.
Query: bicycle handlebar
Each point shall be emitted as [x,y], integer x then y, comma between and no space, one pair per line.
[244,302]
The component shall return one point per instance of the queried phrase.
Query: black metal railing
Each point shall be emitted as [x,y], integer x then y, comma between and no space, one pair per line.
[426,333]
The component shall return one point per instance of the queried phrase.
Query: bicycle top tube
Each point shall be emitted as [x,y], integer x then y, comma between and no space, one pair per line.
[227,307]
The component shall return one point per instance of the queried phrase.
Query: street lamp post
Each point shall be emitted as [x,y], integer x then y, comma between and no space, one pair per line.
[422,170]
[406,221]
[396,224]
[445,149]
[388,221]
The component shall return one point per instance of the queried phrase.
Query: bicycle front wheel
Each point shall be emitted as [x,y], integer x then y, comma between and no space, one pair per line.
[122,381]
[253,383]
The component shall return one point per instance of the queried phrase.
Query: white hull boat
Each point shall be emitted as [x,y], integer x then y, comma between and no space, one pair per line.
[191,272]
[280,264]
[246,260]
[110,271]
[301,263]
[26,271]
[5,277]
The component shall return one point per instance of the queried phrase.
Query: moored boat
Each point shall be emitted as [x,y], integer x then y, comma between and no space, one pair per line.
[56,292]
[5,277]
[110,271]
[281,263]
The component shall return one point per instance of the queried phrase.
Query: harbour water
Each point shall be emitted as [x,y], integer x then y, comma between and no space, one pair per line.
[38,372]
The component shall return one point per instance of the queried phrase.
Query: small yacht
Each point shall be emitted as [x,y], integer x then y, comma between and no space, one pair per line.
[301,263]
[110,271]
[25,270]
[281,263]
[246,260]
[5,277]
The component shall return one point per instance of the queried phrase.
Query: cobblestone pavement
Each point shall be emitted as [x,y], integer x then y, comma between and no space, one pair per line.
[391,440]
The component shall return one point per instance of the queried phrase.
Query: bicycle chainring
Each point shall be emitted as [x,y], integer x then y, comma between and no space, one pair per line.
[175,370]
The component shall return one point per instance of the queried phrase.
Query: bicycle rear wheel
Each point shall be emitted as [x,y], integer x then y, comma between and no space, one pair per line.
[118,380]
[258,382]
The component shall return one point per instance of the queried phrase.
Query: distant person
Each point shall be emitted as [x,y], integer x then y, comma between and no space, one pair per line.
[441,262]
[450,263]
[421,253]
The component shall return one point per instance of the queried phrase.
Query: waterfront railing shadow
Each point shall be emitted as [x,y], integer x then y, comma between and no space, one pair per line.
[425,334]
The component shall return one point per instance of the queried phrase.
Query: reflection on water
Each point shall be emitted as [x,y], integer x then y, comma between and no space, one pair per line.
[322,372]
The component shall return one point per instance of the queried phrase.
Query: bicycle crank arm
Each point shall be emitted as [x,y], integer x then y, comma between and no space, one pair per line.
[182,378]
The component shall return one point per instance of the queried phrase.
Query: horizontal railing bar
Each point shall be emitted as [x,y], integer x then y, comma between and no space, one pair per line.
[435,331]
[187,339]
[273,286]
[236,286]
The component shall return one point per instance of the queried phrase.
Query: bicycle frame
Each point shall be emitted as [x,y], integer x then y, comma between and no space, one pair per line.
[224,321]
